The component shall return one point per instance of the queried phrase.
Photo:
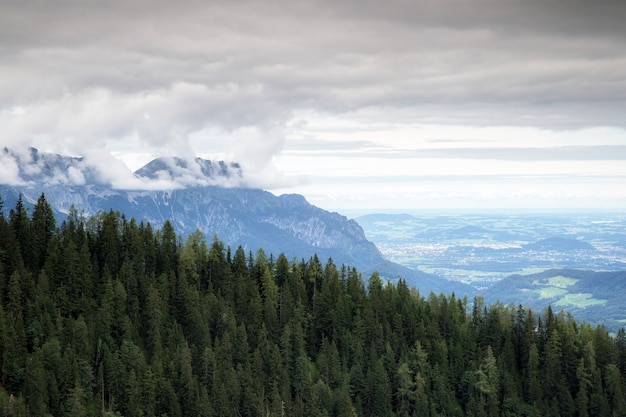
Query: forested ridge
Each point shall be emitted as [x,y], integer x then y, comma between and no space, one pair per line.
[107,316]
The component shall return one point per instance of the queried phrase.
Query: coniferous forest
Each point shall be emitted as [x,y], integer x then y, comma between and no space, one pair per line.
[108,317]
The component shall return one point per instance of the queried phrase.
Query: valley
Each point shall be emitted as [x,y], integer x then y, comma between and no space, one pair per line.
[575,262]
[480,249]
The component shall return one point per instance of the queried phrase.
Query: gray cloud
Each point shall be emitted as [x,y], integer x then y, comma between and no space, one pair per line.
[560,153]
[79,75]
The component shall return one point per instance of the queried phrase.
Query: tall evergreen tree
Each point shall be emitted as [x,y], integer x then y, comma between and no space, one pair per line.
[43,224]
[22,227]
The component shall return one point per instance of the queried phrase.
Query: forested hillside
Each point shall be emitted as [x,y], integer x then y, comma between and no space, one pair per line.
[106,316]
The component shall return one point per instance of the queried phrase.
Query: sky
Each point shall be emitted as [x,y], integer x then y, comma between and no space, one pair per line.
[358,105]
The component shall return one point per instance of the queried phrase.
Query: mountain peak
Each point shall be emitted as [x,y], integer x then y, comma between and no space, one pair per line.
[172,168]
[30,167]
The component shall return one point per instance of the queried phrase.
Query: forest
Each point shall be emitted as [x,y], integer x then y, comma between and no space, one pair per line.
[106,316]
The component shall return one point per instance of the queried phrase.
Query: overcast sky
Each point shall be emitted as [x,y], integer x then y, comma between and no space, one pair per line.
[354,104]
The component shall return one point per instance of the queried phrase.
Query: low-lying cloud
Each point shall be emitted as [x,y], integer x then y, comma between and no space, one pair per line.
[42,169]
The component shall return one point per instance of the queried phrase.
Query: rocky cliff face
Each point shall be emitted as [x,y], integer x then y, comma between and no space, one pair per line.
[251,218]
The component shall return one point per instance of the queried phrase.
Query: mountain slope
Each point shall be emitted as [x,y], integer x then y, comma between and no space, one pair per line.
[251,218]
[593,296]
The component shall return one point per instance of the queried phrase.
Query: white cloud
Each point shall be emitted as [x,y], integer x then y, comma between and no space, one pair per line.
[75,176]
[9,169]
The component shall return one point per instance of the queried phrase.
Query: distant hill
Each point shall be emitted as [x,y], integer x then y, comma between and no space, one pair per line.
[248,217]
[596,297]
[561,244]
[468,231]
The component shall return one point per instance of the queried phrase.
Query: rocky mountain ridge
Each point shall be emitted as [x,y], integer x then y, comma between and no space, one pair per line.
[252,218]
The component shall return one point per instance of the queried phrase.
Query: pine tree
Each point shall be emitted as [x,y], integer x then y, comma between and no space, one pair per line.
[43,224]
[14,354]
[22,227]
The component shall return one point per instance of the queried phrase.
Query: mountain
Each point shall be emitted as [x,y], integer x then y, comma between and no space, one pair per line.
[248,217]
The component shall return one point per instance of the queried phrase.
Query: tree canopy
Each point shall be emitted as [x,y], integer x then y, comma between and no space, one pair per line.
[106,316]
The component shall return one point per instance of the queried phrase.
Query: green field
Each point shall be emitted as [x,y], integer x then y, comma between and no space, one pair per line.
[550,292]
[561,281]
[558,281]
[556,287]
[580,300]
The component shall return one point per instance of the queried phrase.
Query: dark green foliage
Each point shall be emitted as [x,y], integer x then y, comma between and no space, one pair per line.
[106,317]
